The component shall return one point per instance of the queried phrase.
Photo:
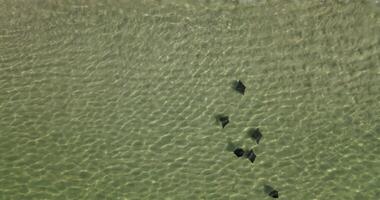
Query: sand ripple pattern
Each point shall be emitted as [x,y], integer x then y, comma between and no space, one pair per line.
[111,100]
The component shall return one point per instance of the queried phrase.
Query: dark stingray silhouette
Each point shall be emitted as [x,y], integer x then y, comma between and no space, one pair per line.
[239,152]
[271,191]
[251,156]
[223,120]
[239,87]
[255,134]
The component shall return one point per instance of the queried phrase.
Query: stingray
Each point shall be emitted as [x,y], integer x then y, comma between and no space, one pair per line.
[273,194]
[270,191]
[239,87]
[239,152]
[251,156]
[255,134]
[224,120]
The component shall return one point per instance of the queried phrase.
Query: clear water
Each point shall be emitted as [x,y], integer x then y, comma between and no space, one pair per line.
[117,99]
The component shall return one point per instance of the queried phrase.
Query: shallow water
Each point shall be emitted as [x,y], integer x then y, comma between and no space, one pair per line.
[118,100]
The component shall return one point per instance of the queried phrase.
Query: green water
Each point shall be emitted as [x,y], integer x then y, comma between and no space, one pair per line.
[117,99]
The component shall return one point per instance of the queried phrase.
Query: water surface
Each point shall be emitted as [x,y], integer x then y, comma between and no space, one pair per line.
[117,99]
